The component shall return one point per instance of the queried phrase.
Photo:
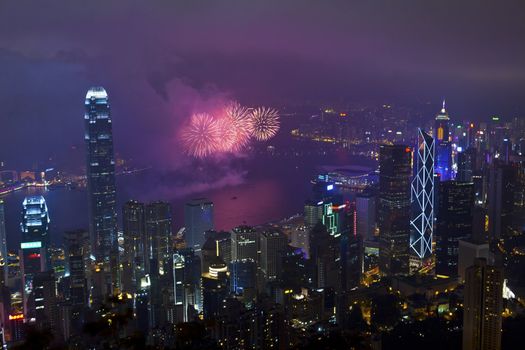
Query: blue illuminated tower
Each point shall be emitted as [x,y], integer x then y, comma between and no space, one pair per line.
[101,183]
[34,256]
[198,218]
[422,197]
[443,147]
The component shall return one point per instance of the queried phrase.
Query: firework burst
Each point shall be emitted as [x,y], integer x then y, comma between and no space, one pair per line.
[226,137]
[201,137]
[264,123]
[238,117]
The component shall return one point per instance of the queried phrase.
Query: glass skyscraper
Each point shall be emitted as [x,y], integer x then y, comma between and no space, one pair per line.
[394,208]
[34,255]
[101,180]
[198,218]
[422,197]
[443,147]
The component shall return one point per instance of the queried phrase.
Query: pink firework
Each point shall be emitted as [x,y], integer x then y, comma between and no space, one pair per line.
[201,136]
[264,123]
[226,137]
[238,117]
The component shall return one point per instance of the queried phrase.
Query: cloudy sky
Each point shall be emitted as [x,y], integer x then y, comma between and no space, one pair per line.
[161,60]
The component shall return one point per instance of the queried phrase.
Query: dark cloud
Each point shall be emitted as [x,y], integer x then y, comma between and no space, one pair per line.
[162,60]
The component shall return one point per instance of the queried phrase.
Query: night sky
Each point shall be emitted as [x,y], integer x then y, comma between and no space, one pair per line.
[162,60]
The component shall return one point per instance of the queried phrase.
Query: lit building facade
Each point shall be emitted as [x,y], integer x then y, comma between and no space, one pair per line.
[483,306]
[101,183]
[422,197]
[34,255]
[443,146]
[394,208]
[198,218]
[454,223]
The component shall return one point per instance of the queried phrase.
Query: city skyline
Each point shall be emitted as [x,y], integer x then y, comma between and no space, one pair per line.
[262,175]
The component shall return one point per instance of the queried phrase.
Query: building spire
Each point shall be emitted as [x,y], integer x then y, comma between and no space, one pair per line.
[443,109]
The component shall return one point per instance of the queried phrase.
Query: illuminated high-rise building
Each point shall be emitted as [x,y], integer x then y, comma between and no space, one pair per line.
[198,218]
[134,226]
[422,197]
[102,197]
[454,223]
[159,236]
[443,146]
[273,245]
[34,254]
[245,243]
[483,306]
[394,208]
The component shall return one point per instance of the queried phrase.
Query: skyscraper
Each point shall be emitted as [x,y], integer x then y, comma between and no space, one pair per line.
[245,243]
[159,236]
[394,208]
[101,183]
[483,307]
[34,254]
[454,223]
[198,218]
[366,214]
[134,225]
[443,147]
[273,245]
[422,197]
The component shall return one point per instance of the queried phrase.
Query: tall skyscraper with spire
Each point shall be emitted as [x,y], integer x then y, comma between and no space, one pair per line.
[443,145]
[101,183]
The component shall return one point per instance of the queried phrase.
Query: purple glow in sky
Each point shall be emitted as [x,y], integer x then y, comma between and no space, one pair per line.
[162,61]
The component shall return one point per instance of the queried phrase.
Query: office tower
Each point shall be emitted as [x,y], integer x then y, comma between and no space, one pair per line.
[443,147]
[3,247]
[192,283]
[102,199]
[300,238]
[215,287]
[179,296]
[45,301]
[313,213]
[158,237]
[76,253]
[324,256]
[243,278]
[456,201]
[273,244]
[198,218]
[35,223]
[394,208]
[34,254]
[245,243]
[134,226]
[366,214]
[216,244]
[502,188]
[482,306]
[470,250]
[466,165]
[422,197]
[351,257]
